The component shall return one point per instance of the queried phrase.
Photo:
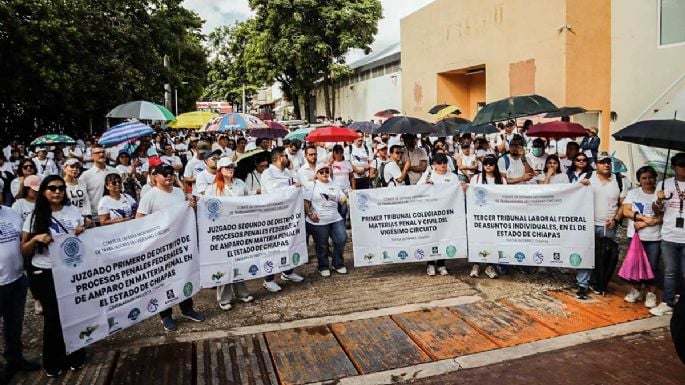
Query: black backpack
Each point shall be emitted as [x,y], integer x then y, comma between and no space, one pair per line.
[380,181]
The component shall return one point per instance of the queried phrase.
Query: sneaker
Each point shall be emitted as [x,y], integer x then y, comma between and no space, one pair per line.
[662,309]
[271,286]
[225,306]
[325,273]
[292,277]
[430,270]
[341,270]
[650,300]
[581,293]
[442,270]
[247,299]
[633,296]
[597,290]
[474,271]
[491,272]
[169,324]
[193,316]
[53,373]
[77,366]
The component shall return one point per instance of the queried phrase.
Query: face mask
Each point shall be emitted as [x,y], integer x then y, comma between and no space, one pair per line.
[537,151]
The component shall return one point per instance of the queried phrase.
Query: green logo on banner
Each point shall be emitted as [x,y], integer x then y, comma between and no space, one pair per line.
[451,251]
[296,259]
[188,289]
[575,260]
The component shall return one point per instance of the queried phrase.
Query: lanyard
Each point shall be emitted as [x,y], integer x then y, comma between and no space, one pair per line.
[680,196]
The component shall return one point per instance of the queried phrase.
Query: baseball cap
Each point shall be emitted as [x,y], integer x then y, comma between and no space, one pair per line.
[603,156]
[225,162]
[321,166]
[32,181]
[71,162]
[381,146]
[39,149]
[210,154]
[162,168]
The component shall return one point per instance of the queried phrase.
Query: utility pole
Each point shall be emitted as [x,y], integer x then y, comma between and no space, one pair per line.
[244,103]
[167,86]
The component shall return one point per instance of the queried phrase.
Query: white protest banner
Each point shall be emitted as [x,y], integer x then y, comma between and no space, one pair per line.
[546,225]
[115,276]
[249,237]
[408,224]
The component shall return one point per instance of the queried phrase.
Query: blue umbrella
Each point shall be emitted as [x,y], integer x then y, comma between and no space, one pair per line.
[125,131]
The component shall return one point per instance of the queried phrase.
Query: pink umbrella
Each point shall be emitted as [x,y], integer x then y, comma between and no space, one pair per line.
[275,124]
[557,130]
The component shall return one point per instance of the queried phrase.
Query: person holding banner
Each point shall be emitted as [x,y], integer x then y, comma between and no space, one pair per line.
[391,171]
[115,206]
[275,178]
[323,221]
[438,174]
[13,287]
[160,197]
[53,215]
[225,185]
[580,165]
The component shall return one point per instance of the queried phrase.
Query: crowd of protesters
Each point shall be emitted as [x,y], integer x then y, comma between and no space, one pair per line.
[71,188]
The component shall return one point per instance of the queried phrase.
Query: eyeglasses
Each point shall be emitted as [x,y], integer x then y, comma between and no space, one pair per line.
[54,189]
[324,171]
[27,166]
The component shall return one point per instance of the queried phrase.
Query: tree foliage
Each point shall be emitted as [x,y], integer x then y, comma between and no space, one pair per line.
[63,63]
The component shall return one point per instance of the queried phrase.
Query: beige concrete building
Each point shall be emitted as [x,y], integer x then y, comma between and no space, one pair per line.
[613,57]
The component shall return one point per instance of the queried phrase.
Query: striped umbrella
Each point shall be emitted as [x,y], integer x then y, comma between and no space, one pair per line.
[123,132]
[237,121]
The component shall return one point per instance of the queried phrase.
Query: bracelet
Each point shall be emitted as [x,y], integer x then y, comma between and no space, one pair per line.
[635,216]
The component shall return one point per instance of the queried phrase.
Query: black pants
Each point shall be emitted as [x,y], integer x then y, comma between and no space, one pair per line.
[12,302]
[54,351]
[438,262]
[186,306]
[362,183]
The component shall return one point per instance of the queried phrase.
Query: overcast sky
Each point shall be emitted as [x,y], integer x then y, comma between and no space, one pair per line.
[226,12]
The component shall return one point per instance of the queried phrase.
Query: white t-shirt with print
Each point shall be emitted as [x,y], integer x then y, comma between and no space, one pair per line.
[641,202]
[202,181]
[78,195]
[391,172]
[341,174]
[156,200]
[23,207]
[324,198]
[11,261]
[124,207]
[66,219]
[237,189]
[669,232]
[560,178]
[194,167]
[359,157]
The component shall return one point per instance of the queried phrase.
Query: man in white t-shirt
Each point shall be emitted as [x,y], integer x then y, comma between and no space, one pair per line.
[572,149]
[195,165]
[514,165]
[537,157]
[359,155]
[94,178]
[72,151]
[13,288]
[222,145]
[671,202]
[160,197]
[170,158]
[275,178]
[608,196]
[307,172]
[392,174]
[416,157]
[295,155]
[207,176]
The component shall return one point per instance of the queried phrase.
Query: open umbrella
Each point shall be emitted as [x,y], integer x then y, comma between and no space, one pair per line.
[142,110]
[387,113]
[406,125]
[332,134]
[434,110]
[565,111]
[235,121]
[441,114]
[268,133]
[123,132]
[557,129]
[514,107]
[299,134]
[450,126]
[275,124]
[193,120]
[662,133]
[481,129]
[248,161]
[364,126]
[52,139]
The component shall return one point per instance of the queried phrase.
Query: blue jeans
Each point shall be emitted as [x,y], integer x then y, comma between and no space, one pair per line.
[583,275]
[343,209]
[12,301]
[653,251]
[674,260]
[321,233]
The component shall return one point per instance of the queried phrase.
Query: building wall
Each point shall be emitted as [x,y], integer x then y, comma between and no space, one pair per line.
[360,101]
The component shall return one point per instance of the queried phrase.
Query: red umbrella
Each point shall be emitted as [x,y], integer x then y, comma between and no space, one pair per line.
[557,129]
[274,124]
[332,134]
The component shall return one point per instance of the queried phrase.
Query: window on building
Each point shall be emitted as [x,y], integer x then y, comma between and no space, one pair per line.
[672,22]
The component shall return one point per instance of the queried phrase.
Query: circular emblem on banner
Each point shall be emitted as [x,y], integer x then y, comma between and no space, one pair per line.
[575,259]
[188,289]
[213,208]
[296,259]
[268,266]
[481,196]
[71,251]
[451,251]
[253,270]
[538,257]
[368,257]
[402,255]
[134,314]
[419,254]
[362,201]
[152,305]
[519,256]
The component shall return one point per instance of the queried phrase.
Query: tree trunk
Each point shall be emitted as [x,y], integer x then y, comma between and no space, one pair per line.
[327,95]
[307,108]
[296,107]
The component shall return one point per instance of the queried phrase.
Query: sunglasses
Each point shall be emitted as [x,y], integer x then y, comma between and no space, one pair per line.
[27,166]
[166,173]
[324,171]
[581,160]
[488,164]
[399,152]
[54,189]
[441,162]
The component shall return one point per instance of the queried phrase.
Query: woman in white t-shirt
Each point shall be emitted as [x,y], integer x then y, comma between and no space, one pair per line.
[115,206]
[551,172]
[226,185]
[53,215]
[637,207]
[27,203]
[323,220]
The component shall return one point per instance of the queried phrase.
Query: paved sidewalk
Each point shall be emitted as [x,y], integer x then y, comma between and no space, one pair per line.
[353,349]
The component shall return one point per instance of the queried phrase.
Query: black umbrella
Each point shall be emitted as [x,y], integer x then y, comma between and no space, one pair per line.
[668,133]
[248,161]
[451,126]
[514,107]
[481,129]
[365,126]
[439,107]
[565,111]
[387,113]
[406,125]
